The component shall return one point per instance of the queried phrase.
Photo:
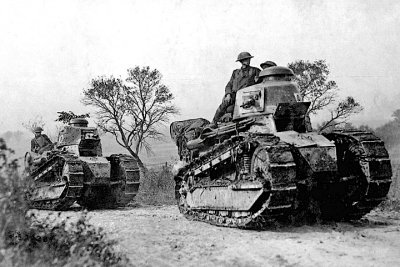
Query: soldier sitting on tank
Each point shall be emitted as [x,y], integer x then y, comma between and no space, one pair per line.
[41,142]
[39,145]
[241,78]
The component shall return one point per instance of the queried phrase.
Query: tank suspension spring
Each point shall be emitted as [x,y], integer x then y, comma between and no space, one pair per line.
[246,163]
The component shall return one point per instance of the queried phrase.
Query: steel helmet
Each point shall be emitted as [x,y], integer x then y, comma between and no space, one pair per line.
[267,64]
[243,55]
[38,129]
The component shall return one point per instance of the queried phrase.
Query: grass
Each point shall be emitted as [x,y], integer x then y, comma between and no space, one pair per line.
[393,202]
[157,187]
[394,192]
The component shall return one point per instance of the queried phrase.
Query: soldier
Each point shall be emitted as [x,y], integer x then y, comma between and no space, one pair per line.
[267,64]
[264,65]
[243,77]
[41,142]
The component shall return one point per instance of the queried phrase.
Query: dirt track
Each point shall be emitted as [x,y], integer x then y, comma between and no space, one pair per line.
[160,236]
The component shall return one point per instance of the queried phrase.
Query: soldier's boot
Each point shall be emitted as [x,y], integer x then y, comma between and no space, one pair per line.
[221,111]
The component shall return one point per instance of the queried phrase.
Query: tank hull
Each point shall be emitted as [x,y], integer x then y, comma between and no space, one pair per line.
[94,182]
[256,181]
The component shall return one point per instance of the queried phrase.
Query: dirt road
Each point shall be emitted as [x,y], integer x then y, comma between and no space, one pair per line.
[160,236]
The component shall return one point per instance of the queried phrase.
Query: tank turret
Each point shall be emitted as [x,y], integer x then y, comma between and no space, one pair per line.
[78,122]
[79,139]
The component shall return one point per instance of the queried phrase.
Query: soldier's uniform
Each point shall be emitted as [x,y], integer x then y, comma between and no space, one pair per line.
[241,78]
[40,144]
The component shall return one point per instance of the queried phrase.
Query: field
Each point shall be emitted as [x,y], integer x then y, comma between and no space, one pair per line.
[160,236]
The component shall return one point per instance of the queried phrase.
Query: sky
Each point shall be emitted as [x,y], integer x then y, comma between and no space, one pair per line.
[50,50]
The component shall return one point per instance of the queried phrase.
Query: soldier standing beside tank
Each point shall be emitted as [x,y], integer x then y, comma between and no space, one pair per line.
[41,142]
[243,77]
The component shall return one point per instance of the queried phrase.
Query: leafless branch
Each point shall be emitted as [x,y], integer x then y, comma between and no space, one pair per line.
[132,110]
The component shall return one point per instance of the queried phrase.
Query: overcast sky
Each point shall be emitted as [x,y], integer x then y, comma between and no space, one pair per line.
[50,50]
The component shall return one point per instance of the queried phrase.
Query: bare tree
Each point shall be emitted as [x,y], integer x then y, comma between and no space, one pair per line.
[132,110]
[38,122]
[315,87]
[312,78]
[33,123]
[341,113]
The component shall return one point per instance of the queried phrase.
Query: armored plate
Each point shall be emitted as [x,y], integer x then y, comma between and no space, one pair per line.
[225,198]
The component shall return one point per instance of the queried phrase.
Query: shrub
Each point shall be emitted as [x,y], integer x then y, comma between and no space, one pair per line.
[394,193]
[393,201]
[52,241]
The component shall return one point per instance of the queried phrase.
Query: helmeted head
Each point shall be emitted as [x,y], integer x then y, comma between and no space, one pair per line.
[244,58]
[276,73]
[38,130]
[267,64]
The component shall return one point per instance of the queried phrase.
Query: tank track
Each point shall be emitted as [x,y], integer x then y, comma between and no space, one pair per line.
[122,189]
[69,173]
[364,177]
[363,155]
[275,202]
[130,173]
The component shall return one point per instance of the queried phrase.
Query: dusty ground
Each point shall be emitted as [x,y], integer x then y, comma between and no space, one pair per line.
[160,236]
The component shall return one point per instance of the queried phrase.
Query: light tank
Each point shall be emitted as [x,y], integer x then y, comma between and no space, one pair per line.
[267,166]
[75,170]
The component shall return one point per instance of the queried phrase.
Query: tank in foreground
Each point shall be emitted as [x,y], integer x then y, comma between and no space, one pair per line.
[75,170]
[267,166]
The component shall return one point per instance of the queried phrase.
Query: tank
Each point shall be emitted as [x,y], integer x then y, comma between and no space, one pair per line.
[74,170]
[267,166]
